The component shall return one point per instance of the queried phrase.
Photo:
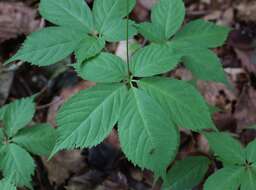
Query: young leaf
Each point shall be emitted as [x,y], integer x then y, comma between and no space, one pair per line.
[203,34]
[168,16]
[153,59]
[68,13]
[89,116]
[250,152]
[228,178]
[17,165]
[5,184]
[249,179]
[18,114]
[205,65]
[39,139]
[105,11]
[148,139]
[105,67]
[117,29]
[89,47]
[48,46]
[227,148]
[186,106]
[187,173]
[1,137]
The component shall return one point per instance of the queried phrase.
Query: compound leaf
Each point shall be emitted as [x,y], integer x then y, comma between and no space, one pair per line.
[89,116]
[5,184]
[17,165]
[148,139]
[186,106]
[117,30]
[105,67]
[168,16]
[39,139]
[248,179]
[205,65]
[105,11]
[226,178]
[48,46]
[187,173]
[227,148]
[250,152]
[89,47]
[68,13]
[203,34]
[153,59]
[18,114]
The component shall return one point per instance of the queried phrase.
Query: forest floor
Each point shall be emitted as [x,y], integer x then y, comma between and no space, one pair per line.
[104,167]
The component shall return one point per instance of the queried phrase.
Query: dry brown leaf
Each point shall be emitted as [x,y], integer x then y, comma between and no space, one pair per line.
[16,19]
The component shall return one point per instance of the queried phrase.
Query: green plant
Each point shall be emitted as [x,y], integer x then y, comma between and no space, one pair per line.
[147,107]
[239,163]
[16,142]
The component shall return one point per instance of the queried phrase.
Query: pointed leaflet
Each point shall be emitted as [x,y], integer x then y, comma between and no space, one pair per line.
[89,47]
[105,67]
[105,11]
[205,65]
[48,46]
[187,173]
[5,184]
[203,34]
[117,30]
[228,178]
[186,106]
[153,59]
[17,165]
[89,116]
[69,13]
[18,114]
[250,152]
[39,139]
[168,16]
[248,179]
[147,136]
[227,148]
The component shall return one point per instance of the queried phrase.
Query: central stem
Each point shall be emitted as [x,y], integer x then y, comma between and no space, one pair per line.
[127,39]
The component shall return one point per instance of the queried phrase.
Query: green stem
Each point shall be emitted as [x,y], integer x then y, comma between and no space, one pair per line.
[127,39]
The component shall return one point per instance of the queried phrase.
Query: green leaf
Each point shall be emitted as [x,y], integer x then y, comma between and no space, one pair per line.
[168,16]
[205,65]
[1,137]
[68,13]
[227,148]
[104,68]
[5,184]
[89,47]
[105,11]
[186,106]
[187,173]
[251,152]
[2,110]
[89,116]
[17,165]
[39,139]
[248,179]
[151,32]
[148,139]
[117,29]
[153,59]
[18,114]
[228,178]
[203,34]
[48,46]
